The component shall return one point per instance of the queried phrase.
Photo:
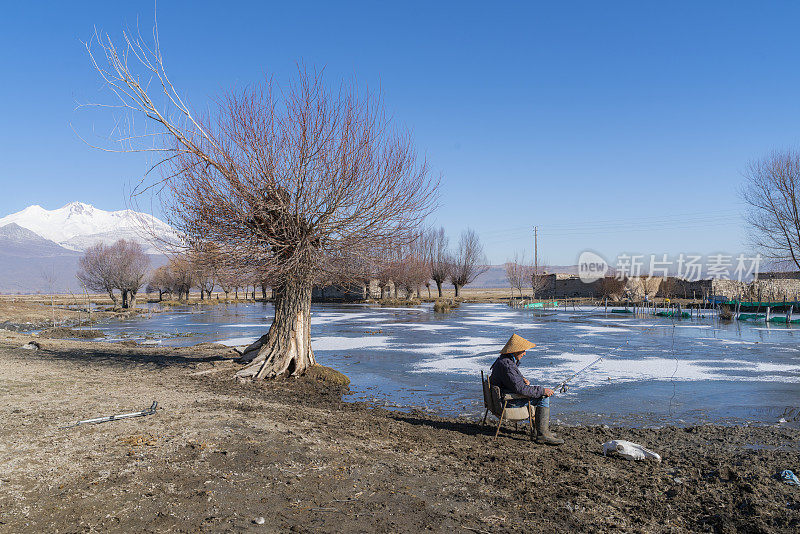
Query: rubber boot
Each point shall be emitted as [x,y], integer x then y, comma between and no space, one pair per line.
[543,434]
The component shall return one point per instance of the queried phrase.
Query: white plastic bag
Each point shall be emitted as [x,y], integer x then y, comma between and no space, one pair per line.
[629,450]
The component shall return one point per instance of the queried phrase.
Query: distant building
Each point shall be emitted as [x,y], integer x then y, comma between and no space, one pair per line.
[562,285]
[341,293]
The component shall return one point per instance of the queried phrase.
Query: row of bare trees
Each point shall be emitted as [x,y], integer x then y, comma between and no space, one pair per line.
[120,267]
[520,275]
[429,258]
[205,271]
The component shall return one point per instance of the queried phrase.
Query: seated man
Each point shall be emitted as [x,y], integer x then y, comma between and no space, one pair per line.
[506,375]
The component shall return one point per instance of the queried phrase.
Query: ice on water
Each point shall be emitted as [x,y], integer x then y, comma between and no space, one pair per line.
[413,355]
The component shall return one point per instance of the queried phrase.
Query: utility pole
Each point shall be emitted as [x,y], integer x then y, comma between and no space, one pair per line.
[535,280]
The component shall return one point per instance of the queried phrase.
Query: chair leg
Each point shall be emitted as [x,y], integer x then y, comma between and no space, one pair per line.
[484,415]
[500,422]
[530,420]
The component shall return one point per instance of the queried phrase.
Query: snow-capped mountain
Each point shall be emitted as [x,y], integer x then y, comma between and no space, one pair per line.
[77,226]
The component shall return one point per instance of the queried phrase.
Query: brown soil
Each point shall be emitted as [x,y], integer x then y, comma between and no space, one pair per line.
[27,315]
[20,314]
[219,454]
[62,332]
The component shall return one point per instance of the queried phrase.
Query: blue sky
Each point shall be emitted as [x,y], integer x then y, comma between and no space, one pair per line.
[612,126]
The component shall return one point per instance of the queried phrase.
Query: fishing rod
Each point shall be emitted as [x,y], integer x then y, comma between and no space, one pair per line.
[562,387]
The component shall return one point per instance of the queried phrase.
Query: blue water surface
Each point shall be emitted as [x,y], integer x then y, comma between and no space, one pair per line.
[655,371]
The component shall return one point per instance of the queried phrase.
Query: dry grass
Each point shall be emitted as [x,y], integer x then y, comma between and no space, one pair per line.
[445,305]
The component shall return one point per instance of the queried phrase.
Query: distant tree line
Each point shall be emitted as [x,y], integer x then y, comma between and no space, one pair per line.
[206,271]
[426,258]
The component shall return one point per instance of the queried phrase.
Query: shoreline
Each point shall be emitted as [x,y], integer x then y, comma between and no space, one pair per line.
[218,455]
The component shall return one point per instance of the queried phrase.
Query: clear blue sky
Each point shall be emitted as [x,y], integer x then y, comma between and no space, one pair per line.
[640,115]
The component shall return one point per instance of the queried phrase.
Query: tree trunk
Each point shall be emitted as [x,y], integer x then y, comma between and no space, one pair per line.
[124,299]
[458,289]
[202,294]
[160,295]
[286,348]
[264,292]
[383,292]
[113,297]
[439,287]
[132,300]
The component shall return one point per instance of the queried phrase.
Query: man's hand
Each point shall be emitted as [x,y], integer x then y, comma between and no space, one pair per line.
[527,382]
[548,392]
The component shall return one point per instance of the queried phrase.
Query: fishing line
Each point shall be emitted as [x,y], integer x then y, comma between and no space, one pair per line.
[675,371]
[562,387]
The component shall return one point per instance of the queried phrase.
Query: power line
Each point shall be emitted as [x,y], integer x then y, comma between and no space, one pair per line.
[672,218]
[594,231]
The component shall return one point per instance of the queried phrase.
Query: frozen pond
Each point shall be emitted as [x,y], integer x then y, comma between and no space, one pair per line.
[659,370]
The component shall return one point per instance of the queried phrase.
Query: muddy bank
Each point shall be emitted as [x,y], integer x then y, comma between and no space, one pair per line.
[62,332]
[219,454]
[21,316]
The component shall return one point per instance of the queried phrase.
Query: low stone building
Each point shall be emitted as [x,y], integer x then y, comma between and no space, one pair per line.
[562,285]
[776,286]
[673,287]
[345,293]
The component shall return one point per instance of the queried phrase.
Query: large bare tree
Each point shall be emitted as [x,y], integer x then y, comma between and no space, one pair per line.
[438,254]
[122,266]
[611,287]
[516,274]
[162,281]
[468,262]
[771,189]
[278,177]
[205,261]
[536,278]
[131,266]
[96,271]
[413,270]
[181,272]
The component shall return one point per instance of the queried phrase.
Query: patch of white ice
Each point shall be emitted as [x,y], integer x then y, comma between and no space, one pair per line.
[321,318]
[349,343]
[237,341]
[422,327]
[587,330]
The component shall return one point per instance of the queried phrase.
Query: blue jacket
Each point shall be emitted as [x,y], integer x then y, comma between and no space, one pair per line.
[505,374]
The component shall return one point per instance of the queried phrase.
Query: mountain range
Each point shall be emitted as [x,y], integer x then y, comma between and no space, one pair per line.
[77,226]
[40,249]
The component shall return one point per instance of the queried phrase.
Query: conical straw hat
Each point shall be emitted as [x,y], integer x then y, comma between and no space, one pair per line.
[517,344]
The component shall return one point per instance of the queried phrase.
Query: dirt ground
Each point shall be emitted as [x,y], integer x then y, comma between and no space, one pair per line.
[21,314]
[218,455]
